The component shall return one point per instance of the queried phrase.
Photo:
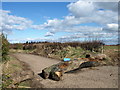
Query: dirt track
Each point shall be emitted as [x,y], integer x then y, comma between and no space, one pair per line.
[100,77]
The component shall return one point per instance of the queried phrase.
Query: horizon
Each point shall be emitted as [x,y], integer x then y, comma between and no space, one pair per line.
[60,21]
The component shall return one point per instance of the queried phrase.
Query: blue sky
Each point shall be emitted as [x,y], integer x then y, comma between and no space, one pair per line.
[38,12]
[60,21]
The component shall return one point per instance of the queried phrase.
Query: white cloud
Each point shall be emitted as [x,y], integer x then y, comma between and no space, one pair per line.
[90,11]
[53,23]
[81,8]
[104,36]
[38,27]
[81,15]
[107,5]
[112,26]
[72,37]
[49,34]
[10,22]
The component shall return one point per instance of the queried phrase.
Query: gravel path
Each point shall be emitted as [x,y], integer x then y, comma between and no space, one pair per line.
[99,77]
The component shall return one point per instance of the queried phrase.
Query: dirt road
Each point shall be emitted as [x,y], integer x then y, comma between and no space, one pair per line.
[100,77]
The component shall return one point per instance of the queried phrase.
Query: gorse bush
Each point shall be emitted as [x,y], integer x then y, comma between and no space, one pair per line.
[5,48]
[19,46]
[92,45]
[29,47]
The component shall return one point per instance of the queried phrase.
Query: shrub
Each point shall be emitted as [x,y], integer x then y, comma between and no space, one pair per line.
[18,46]
[92,46]
[29,47]
[5,48]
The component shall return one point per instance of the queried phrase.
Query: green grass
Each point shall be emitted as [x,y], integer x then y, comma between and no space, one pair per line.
[70,52]
[6,81]
[24,84]
[111,47]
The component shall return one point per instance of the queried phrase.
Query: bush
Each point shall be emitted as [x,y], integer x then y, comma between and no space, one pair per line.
[29,47]
[19,46]
[5,48]
[92,46]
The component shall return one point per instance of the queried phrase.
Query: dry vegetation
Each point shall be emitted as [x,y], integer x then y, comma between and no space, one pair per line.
[60,50]
[16,74]
[68,50]
[10,70]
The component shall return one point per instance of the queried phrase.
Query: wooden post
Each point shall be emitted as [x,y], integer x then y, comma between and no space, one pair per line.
[102,49]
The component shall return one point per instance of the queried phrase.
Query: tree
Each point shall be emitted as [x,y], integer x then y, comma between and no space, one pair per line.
[5,48]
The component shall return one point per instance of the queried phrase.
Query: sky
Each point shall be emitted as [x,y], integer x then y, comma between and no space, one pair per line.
[60,21]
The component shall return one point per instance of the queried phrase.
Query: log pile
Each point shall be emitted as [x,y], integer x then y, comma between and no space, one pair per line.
[56,71]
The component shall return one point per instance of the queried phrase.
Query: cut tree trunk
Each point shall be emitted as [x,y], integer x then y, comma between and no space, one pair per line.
[56,71]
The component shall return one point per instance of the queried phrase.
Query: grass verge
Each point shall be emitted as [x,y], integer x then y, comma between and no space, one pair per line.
[9,69]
